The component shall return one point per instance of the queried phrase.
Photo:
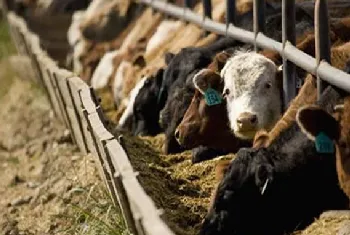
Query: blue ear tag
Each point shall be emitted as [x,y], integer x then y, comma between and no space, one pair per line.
[324,144]
[212,97]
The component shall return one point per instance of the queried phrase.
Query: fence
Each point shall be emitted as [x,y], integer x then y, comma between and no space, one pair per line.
[76,105]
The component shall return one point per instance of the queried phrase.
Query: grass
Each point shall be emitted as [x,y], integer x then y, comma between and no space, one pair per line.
[96,215]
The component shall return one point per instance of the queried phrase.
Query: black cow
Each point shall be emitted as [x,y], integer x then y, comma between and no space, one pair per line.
[277,189]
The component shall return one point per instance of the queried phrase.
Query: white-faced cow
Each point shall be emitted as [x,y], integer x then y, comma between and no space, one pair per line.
[252,89]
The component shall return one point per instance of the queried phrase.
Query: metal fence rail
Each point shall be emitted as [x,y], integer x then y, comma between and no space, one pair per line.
[287,50]
[76,105]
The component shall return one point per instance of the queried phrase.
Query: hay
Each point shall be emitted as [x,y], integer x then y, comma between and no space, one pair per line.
[326,225]
[183,190]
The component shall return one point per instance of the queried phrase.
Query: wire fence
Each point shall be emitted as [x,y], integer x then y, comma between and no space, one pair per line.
[75,103]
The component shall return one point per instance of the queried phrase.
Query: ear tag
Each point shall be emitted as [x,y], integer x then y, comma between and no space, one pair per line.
[324,144]
[212,97]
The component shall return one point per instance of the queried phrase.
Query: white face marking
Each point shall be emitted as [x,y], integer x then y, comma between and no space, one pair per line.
[130,106]
[78,51]
[163,30]
[251,81]
[94,6]
[74,33]
[104,70]
[119,81]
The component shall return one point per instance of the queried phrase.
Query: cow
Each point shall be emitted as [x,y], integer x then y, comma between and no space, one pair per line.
[277,189]
[152,83]
[177,88]
[317,123]
[198,120]
[207,124]
[88,37]
[313,120]
[340,58]
[307,95]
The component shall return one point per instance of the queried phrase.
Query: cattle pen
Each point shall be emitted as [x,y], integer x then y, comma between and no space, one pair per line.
[76,104]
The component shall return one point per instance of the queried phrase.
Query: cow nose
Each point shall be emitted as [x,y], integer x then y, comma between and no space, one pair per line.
[247,121]
[177,135]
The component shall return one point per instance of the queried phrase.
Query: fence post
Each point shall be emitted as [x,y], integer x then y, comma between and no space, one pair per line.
[207,9]
[322,40]
[230,13]
[259,19]
[188,4]
[288,35]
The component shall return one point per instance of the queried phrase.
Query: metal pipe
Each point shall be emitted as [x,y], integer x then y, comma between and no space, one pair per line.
[288,34]
[258,18]
[230,12]
[291,53]
[322,41]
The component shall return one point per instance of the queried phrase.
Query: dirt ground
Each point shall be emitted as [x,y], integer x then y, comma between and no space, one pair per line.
[46,186]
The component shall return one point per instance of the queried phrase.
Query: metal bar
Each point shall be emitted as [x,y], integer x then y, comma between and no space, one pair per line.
[288,34]
[188,4]
[322,40]
[230,12]
[291,53]
[258,18]
[207,9]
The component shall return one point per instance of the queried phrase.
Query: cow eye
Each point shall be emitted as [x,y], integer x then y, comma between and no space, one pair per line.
[268,85]
[226,92]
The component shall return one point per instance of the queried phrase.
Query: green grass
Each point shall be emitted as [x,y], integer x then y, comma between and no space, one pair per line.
[96,215]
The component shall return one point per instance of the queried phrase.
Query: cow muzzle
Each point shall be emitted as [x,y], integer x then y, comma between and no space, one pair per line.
[247,123]
[185,135]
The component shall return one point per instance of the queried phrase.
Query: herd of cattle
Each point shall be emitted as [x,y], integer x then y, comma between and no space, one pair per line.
[216,95]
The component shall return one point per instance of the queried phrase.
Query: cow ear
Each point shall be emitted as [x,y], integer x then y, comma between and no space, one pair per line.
[168,57]
[263,177]
[313,120]
[200,81]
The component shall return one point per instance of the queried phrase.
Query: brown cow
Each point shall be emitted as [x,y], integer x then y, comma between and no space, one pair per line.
[307,95]
[313,121]
[203,124]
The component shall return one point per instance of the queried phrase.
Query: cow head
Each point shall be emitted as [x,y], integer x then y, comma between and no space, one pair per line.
[145,110]
[253,93]
[200,118]
[202,121]
[239,197]
[313,121]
